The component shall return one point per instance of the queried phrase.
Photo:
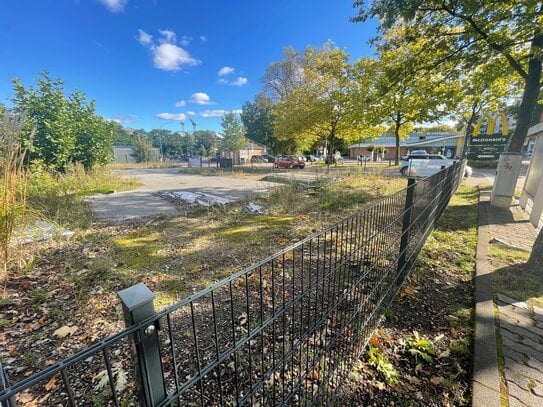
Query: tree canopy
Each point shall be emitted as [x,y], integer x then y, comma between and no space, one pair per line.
[474,33]
[233,133]
[67,127]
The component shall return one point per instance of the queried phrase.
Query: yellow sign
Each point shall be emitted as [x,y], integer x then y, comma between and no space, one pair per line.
[491,124]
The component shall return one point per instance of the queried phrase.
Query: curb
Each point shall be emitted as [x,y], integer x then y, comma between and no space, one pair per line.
[486,380]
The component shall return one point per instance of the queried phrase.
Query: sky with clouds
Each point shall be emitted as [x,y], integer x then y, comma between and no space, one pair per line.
[157,63]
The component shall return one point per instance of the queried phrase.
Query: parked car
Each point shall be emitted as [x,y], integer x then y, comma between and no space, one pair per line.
[288,162]
[312,158]
[269,158]
[335,159]
[431,164]
[258,159]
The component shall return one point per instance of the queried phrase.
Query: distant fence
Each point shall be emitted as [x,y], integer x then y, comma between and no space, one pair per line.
[285,331]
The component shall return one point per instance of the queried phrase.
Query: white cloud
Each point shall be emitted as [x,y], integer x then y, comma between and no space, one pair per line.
[239,81]
[225,70]
[115,6]
[186,40]
[200,98]
[203,38]
[217,112]
[167,55]
[181,103]
[170,57]
[124,118]
[168,36]
[171,116]
[212,113]
[144,38]
[191,113]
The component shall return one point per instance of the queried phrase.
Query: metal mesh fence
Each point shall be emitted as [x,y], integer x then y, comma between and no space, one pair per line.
[284,331]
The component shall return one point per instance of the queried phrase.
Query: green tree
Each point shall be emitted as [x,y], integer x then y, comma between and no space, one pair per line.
[233,133]
[206,142]
[188,144]
[475,33]
[320,109]
[257,117]
[93,134]
[403,92]
[67,128]
[47,111]
[144,149]
[120,135]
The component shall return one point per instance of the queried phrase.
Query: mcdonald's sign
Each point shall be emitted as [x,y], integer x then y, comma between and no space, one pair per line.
[489,138]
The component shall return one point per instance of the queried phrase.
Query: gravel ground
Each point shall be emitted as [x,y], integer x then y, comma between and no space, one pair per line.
[142,202]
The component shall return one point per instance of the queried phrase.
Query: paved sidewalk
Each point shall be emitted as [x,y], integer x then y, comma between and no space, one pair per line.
[505,326]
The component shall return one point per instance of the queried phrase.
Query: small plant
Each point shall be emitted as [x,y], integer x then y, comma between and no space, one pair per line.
[420,348]
[377,359]
[39,296]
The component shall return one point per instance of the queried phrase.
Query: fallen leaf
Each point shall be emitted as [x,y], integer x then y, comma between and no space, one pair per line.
[64,331]
[51,384]
[444,354]
[407,291]
[437,380]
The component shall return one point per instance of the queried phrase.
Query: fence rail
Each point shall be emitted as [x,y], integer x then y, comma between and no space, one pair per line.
[284,331]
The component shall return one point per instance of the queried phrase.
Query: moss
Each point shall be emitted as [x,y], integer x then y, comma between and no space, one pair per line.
[140,251]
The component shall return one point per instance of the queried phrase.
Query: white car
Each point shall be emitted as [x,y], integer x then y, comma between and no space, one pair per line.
[424,165]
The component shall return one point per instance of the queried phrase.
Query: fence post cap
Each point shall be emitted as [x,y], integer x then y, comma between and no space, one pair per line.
[135,296]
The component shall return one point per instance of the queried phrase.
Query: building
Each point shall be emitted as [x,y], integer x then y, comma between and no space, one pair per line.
[244,154]
[446,143]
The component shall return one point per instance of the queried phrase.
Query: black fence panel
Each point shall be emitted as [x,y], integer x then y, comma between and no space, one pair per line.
[284,331]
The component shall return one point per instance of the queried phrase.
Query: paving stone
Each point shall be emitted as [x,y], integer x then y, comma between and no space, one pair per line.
[527,372]
[526,350]
[524,396]
[530,362]
[511,301]
[516,338]
[534,333]
[514,317]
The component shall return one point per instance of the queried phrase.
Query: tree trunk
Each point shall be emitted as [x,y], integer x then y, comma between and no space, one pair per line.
[532,87]
[397,137]
[536,258]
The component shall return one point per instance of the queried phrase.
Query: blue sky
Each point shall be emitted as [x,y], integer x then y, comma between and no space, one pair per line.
[151,63]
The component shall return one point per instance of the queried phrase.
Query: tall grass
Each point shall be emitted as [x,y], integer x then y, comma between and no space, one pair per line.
[58,197]
[13,187]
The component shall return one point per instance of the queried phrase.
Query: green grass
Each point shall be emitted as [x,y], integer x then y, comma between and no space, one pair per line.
[58,197]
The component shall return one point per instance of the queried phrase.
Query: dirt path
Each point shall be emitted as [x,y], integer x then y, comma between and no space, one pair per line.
[142,202]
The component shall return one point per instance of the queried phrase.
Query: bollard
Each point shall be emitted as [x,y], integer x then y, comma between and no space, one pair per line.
[137,302]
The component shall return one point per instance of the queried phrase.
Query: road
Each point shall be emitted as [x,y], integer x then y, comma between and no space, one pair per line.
[142,202]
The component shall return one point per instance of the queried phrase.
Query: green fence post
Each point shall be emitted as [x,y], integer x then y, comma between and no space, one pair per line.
[137,302]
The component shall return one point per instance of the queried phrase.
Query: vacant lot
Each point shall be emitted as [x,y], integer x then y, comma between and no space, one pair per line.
[73,282]
[65,296]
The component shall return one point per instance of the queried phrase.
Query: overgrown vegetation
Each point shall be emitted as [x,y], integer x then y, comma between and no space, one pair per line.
[58,196]
[13,185]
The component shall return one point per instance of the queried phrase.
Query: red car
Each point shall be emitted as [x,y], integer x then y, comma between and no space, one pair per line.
[289,162]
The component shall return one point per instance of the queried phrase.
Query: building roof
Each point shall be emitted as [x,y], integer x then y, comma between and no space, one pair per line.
[414,140]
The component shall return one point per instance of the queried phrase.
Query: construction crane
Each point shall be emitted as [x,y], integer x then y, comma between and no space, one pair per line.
[193,125]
